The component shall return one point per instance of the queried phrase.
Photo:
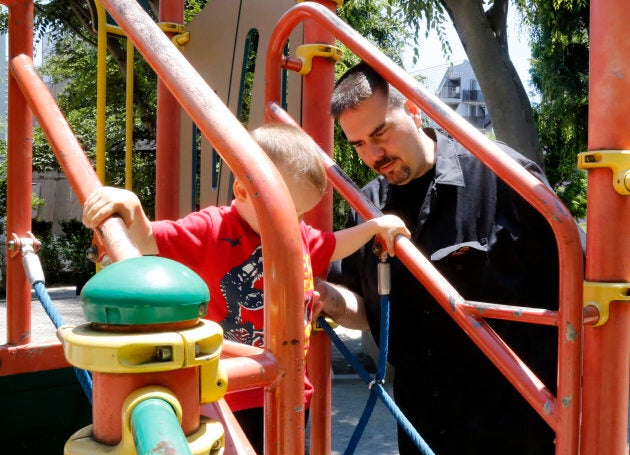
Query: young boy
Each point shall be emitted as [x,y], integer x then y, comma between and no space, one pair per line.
[222,245]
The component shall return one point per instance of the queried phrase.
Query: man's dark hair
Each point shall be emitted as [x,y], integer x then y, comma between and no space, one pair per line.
[359,83]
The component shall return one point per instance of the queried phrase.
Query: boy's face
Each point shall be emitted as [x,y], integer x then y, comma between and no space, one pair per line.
[304,195]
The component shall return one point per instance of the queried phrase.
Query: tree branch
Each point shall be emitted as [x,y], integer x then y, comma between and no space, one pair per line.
[497,18]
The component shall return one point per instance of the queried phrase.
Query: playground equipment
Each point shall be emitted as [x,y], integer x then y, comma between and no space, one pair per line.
[589,412]
[153,361]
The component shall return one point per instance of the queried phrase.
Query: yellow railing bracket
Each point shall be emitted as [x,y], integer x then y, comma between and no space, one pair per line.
[171,27]
[617,160]
[599,295]
[306,52]
[180,35]
[181,39]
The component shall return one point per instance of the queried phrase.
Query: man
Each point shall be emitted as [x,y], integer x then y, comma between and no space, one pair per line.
[488,242]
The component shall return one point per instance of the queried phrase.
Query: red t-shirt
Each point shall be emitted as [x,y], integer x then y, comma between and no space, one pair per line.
[226,253]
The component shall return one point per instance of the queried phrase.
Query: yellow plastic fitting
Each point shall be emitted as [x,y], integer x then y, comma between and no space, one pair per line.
[209,439]
[113,352]
[599,295]
[617,160]
[181,39]
[306,52]
[171,27]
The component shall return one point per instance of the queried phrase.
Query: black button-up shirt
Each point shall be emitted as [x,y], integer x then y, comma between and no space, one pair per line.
[492,246]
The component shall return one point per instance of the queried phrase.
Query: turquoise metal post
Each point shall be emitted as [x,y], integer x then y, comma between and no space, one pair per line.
[156,430]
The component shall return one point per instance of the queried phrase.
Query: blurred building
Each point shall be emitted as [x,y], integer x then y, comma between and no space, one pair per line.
[457,86]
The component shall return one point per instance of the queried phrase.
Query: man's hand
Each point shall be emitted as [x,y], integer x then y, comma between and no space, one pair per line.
[341,305]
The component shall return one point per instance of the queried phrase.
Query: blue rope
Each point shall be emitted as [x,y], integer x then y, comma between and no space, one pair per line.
[354,362]
[375,384]
[83,376]
[379,378]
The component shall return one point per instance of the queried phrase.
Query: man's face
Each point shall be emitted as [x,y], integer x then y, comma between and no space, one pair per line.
[388,139]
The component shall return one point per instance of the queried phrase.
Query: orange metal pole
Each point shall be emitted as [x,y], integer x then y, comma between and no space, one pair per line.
[111,389]
[284,287]
[69,153]
[26,86]
[563,419]
[22,357]
[248,367]
[27,358]
[19,177]
[607,347]
[168,127]
[316,120]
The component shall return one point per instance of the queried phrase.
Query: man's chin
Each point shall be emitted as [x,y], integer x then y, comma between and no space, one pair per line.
[396,179]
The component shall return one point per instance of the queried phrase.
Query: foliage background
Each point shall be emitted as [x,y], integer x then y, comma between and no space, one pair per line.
[559,39]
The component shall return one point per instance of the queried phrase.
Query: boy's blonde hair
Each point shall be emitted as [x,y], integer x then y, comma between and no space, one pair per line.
[293,151]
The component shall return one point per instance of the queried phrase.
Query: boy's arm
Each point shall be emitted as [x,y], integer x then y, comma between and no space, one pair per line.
[351,239]
[106,201]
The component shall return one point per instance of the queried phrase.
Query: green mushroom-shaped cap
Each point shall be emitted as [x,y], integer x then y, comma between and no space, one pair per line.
[144,290]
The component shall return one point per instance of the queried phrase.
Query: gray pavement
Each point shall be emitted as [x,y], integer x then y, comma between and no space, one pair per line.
[349,392]
[349,397]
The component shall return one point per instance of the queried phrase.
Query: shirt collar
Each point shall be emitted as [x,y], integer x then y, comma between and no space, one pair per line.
[448,170]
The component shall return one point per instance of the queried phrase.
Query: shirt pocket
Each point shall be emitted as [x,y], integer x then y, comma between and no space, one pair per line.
[460,249]
[465,265]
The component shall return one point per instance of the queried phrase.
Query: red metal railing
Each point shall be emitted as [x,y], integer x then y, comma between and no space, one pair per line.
[19,180]
[607,347]
[317,89]
[168,131]
[564,419]
[279,227]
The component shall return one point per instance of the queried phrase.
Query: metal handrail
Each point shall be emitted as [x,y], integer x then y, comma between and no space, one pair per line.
[564,419]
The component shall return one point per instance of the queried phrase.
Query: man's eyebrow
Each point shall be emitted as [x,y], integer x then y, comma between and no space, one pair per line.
[374,132]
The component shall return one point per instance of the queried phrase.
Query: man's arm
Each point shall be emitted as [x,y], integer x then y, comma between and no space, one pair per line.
[342,305]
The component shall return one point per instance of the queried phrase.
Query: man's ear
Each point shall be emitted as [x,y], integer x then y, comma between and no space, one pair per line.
[239,191]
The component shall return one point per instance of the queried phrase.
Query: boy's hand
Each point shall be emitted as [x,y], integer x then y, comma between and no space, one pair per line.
[107,201]
[389,227]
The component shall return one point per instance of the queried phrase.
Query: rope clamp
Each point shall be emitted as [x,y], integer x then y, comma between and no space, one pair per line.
[379,249]
[599,295]
[375,382]
[306,52]
[23,245]
[617,160]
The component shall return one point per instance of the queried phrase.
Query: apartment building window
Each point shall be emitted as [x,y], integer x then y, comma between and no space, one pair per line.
[452,88]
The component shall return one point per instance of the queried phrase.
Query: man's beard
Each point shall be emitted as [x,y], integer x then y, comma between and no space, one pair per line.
[398,175]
